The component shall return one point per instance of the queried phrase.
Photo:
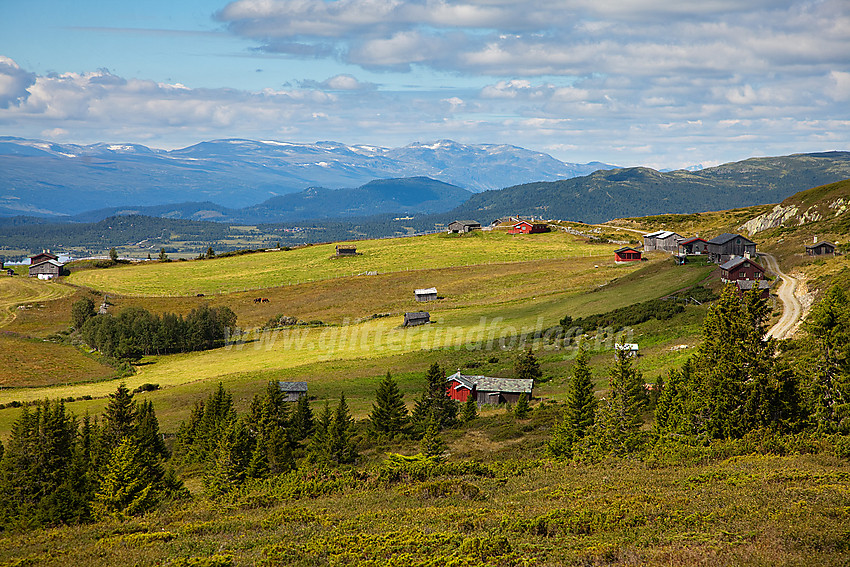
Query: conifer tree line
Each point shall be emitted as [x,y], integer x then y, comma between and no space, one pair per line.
[57,469]
[135,331]
[734,385]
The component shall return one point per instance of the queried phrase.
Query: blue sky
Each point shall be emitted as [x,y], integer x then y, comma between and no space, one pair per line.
[630,82]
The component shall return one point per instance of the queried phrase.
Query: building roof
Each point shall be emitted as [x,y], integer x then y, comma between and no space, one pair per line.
[821,243]
[726,237]
[52,262]
[417,315]
[744,285]
[490,384]
[47,254]
[292,386]
[465,222]
[736,261]
[624,248]
[429,291]
[660,234]
[692,240]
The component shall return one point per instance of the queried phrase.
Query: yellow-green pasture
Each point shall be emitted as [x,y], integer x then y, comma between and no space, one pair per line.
[315,263]
[489,327]
[20,291]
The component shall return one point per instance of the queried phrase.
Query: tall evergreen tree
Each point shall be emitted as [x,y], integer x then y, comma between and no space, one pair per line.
[198,437]
[342,449]
[827,364]
[434,401]
[580,413]
[119,417]
[319,447]
[230,461]
[147,431]
[302,420]
[127,487]
[625,403]
[389,413]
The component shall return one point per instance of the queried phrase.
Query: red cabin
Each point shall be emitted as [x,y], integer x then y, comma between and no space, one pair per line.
[488,390]
[526,227]
[626,254]
[738,268]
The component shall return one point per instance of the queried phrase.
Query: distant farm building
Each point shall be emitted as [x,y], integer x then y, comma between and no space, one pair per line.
[626,254]
[488,390]
[505,221]
[45,266]
[627,349]
[665,240]
[416,318]
[527,227]
[744,286]
[822,248]
[695,245]
[346,250]
[463,226]
[738,268]
[292,391]
[723,247]
[429,294]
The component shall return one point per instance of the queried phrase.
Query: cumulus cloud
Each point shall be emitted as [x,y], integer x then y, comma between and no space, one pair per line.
[14,82]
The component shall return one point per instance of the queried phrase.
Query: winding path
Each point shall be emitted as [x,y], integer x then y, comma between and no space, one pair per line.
[19,290]
[791,310]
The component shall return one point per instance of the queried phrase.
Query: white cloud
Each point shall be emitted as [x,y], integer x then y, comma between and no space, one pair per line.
[14,82]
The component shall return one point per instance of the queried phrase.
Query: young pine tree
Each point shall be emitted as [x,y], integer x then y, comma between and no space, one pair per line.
[119,418]
[432,444]
[527,367]
[389,414]
[625,405]
[318,450]
[521,408]
[341,447]
[301,423]
[469,409]
[230,461]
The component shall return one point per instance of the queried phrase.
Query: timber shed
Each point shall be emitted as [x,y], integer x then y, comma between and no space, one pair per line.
[822,248]
[429,294]
[293,390]
[416,318]
[463,226]
[488,390]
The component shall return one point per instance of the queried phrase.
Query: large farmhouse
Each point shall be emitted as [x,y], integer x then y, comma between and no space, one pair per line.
[665,240]
[45,266]
[488,390]
[723,247]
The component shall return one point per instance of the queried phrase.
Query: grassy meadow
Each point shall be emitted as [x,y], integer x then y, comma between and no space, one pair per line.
[315,263]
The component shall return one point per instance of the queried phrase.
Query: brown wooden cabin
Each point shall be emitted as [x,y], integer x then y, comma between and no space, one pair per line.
[726,245]
[416,318]
[737,268]
[293,391]
[822,248]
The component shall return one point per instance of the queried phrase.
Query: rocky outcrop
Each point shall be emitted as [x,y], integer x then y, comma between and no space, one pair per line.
[790,215]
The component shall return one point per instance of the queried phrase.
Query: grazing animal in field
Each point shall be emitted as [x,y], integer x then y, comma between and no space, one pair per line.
[258,300]
[265,300]
[200,295]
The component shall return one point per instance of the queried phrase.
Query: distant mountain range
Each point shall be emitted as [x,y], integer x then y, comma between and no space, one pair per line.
[640,191]
[412,196]
[42,178]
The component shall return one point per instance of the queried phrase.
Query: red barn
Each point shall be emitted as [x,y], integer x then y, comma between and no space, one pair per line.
[487,390]
[626,254]
[739,268]
[526,227]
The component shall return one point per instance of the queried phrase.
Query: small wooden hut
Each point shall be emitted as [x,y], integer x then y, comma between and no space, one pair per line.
[416,318]
[346,250]
[429,294]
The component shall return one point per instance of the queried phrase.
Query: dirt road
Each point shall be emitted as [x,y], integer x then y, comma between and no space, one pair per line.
[791,308]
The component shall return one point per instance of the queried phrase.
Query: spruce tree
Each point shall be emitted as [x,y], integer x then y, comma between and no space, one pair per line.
[319,446]
[521,409]
[625,403]
[432,444]
[580,413]
[301,423]
[126,487]
[119,417]
[434,401]
[230,460]
[389,413]
[341,448]
[827,365]
[147,431]
[469,409]
[527,367]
